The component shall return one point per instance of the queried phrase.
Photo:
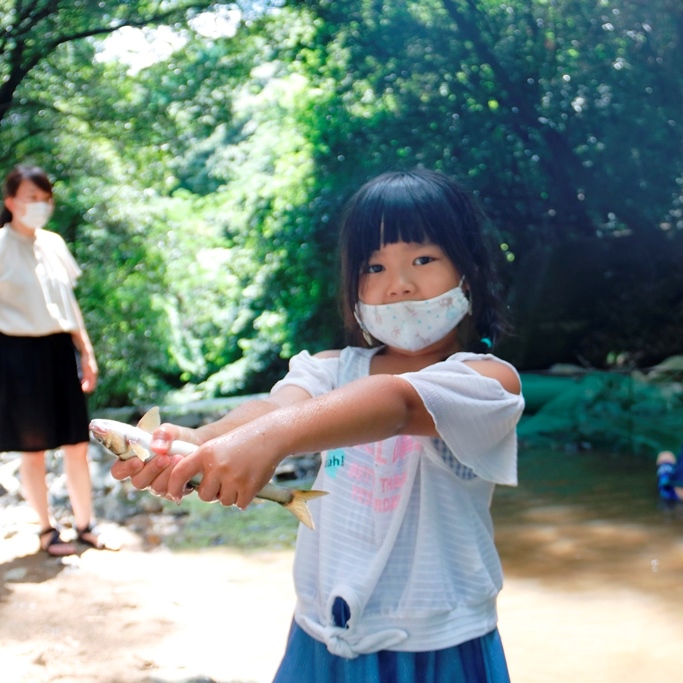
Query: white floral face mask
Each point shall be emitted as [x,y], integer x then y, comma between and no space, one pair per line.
[414,325]
[36,214]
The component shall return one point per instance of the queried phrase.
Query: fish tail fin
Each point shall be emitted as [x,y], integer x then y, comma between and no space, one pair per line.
[297,506]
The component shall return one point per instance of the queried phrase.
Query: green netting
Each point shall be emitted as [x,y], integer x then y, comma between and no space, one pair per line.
[635,412]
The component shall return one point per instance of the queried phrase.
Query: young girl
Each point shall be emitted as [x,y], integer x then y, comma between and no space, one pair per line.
[399,581]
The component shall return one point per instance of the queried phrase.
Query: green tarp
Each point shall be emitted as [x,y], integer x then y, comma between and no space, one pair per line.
[620,411]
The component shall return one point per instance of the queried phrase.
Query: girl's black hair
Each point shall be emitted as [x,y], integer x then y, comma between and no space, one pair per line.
[423,206]
[15,177]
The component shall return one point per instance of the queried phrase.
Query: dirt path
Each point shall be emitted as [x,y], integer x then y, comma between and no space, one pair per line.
[137,616]
[141,616]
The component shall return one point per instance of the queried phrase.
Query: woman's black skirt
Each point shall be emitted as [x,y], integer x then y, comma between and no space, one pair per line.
[42,405]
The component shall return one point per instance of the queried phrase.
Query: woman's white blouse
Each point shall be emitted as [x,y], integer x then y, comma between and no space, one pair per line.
[37,277]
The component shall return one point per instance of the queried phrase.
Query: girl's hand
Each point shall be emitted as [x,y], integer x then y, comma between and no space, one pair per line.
[167,433]
[235,461]
[234,468]
[153,474]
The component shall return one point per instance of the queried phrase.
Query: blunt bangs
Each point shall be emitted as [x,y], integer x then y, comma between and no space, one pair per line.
[395,207]
[421,206]
[400,208]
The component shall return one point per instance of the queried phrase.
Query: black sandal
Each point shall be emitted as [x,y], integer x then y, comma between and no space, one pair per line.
[95,539]
[55,545]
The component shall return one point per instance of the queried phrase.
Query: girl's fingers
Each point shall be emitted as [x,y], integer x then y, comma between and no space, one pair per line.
[227,497]
[242,501]
[185,469]
[150,472]
[159,485]
[124,469]
[162,438]
[209,489]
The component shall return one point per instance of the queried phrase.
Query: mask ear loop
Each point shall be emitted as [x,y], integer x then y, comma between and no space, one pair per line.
[484,341]
[369,340]
[468,295]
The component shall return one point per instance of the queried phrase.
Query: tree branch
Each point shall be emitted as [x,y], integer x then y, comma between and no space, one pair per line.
[560,163]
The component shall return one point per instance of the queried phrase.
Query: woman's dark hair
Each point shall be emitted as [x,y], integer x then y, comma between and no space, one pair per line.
[15,177]
[423,206]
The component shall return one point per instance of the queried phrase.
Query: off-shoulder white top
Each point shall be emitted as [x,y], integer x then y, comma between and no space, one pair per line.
[405,536]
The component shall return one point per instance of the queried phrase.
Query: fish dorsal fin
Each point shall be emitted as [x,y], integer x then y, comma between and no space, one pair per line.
[150,420]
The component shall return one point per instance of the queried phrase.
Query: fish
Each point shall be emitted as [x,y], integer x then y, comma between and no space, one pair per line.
[127,441]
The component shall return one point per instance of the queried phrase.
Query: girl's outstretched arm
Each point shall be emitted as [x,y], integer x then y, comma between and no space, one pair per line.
[248,411]
[236,465]
[154,474]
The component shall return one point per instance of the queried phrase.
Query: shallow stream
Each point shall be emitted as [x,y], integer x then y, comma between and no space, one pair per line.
[587,513]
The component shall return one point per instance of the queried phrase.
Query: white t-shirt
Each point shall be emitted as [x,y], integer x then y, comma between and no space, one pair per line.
[405,537]
[37,277]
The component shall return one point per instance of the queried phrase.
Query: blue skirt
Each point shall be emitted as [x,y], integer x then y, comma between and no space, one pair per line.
[480,660]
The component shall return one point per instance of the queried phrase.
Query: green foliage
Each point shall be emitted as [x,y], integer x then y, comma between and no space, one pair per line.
[261,525]
[619,412]
[202,194]
[92,128]
[33,31]
[517,96]
[122,296]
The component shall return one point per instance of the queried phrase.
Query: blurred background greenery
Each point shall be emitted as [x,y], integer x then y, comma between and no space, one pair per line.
[201,153]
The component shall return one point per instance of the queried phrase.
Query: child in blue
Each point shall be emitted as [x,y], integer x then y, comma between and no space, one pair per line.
[416,426]
[670,476]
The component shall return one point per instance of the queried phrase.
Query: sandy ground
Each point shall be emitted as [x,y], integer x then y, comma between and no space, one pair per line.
[141,615]
[595,603]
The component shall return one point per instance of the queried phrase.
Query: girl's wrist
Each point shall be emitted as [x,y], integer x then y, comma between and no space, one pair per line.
[199,435]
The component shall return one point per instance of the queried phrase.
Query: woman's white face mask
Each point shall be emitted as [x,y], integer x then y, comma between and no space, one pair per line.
[414,325]
[36,214]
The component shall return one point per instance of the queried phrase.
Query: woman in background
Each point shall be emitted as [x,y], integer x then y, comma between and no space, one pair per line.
[42,401]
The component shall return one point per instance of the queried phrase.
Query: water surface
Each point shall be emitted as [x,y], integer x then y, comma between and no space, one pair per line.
[589,515]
